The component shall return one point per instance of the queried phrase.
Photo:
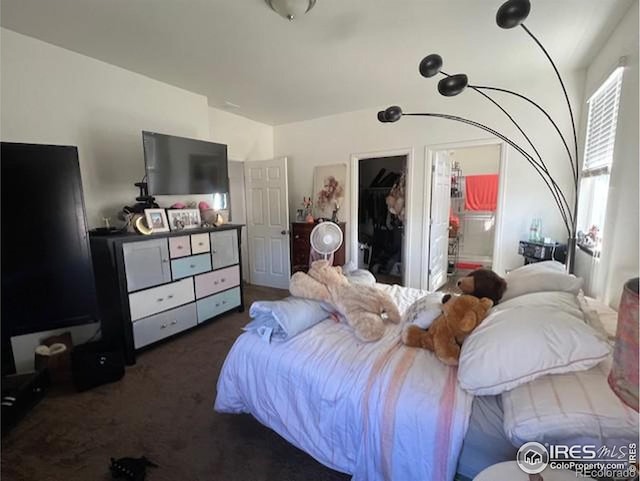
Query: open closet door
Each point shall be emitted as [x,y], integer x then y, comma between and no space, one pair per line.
[268,222]
[439,229]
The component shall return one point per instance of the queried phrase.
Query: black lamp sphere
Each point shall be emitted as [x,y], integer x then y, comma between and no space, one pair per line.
[430,65]
[393,113]
[453,85]
[512,13]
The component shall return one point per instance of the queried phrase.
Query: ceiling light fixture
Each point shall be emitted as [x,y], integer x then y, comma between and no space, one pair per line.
[291,9]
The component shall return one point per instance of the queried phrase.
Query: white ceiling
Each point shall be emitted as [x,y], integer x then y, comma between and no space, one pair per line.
[344,55]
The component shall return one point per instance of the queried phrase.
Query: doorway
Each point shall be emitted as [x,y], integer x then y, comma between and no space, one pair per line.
[382,216]
[267,201]
[466,192]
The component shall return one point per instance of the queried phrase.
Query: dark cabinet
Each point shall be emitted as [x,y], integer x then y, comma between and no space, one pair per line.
[301,246]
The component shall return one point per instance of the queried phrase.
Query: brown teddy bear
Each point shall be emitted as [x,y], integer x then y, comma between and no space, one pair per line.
[363,307]
[483,283]
[460,316]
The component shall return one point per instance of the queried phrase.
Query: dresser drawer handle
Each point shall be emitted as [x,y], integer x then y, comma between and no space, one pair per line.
[164,326]
[200,243]
[170,296]
[179,247]
[296,237]
[215,283]
[213,251]
[222,280]
[224,302]
[192,266]
[173,323]
[160,299]
[165,261]
[217,304]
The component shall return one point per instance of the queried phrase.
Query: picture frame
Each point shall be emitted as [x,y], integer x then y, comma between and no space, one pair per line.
[182,219]
[321,176]
[156,220]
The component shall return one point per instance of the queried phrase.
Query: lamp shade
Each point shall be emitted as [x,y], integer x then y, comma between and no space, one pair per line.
[623,377]
[430,65]
[513,13]
[453,85]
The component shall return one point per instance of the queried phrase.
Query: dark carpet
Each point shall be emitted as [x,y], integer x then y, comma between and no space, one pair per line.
[163,409]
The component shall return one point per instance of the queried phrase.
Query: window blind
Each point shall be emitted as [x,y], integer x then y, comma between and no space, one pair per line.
[601,126]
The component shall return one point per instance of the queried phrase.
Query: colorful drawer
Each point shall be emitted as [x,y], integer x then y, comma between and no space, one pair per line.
[217,304]
[162,298]
[216,281]
[151,329]
[190,266]
[179,246]
[199,243]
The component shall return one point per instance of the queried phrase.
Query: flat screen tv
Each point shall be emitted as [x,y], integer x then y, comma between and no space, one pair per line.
[47,274]
[181,166]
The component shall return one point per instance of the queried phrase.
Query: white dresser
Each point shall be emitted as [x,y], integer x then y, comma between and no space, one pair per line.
[152,287]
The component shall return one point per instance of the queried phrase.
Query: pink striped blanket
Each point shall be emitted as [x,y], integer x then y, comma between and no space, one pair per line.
[379,411]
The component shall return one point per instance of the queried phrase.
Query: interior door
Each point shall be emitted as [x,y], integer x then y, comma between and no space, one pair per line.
[268,222]
[439,222]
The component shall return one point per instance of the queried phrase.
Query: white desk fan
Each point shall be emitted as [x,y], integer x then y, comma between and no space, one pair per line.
[326,238]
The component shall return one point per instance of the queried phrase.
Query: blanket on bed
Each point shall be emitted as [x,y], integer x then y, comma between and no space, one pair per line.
[283,319]
[379,411]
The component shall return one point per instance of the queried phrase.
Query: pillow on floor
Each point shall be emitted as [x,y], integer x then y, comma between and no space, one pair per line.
[516,345]
[536,278]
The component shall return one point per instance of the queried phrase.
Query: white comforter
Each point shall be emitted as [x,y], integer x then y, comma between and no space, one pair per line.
[380,411]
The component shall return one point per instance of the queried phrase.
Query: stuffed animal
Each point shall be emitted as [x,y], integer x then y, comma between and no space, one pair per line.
[483,283]
[460,316]
[365,308]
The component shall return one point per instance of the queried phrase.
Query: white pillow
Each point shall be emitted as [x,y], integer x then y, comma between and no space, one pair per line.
[569,406]
[521,281]
[544,266]
[517,345]
[561,301]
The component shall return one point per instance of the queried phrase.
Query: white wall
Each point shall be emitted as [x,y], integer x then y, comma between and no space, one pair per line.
[333,139]
[619,258]
[53,95]
[483,159]
[247,139]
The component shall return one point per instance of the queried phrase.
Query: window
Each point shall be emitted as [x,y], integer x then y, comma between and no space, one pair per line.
[598,157]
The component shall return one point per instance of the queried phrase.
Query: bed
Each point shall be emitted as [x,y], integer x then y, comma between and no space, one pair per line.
[377,411]
[385,411]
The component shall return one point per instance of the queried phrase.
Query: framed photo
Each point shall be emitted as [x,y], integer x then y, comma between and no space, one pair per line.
[156,220]
[184,219]
[329,189]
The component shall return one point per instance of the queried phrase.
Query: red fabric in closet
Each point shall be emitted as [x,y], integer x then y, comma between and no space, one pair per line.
[481,192]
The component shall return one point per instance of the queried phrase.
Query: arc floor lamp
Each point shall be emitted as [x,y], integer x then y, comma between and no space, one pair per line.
[510,15]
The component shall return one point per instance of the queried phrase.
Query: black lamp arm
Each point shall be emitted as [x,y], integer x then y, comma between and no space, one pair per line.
[546,114]
[545,176]
[479,88]
[566,96]
[540,164]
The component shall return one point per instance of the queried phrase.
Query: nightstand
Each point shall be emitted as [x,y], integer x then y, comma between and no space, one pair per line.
[509,471]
